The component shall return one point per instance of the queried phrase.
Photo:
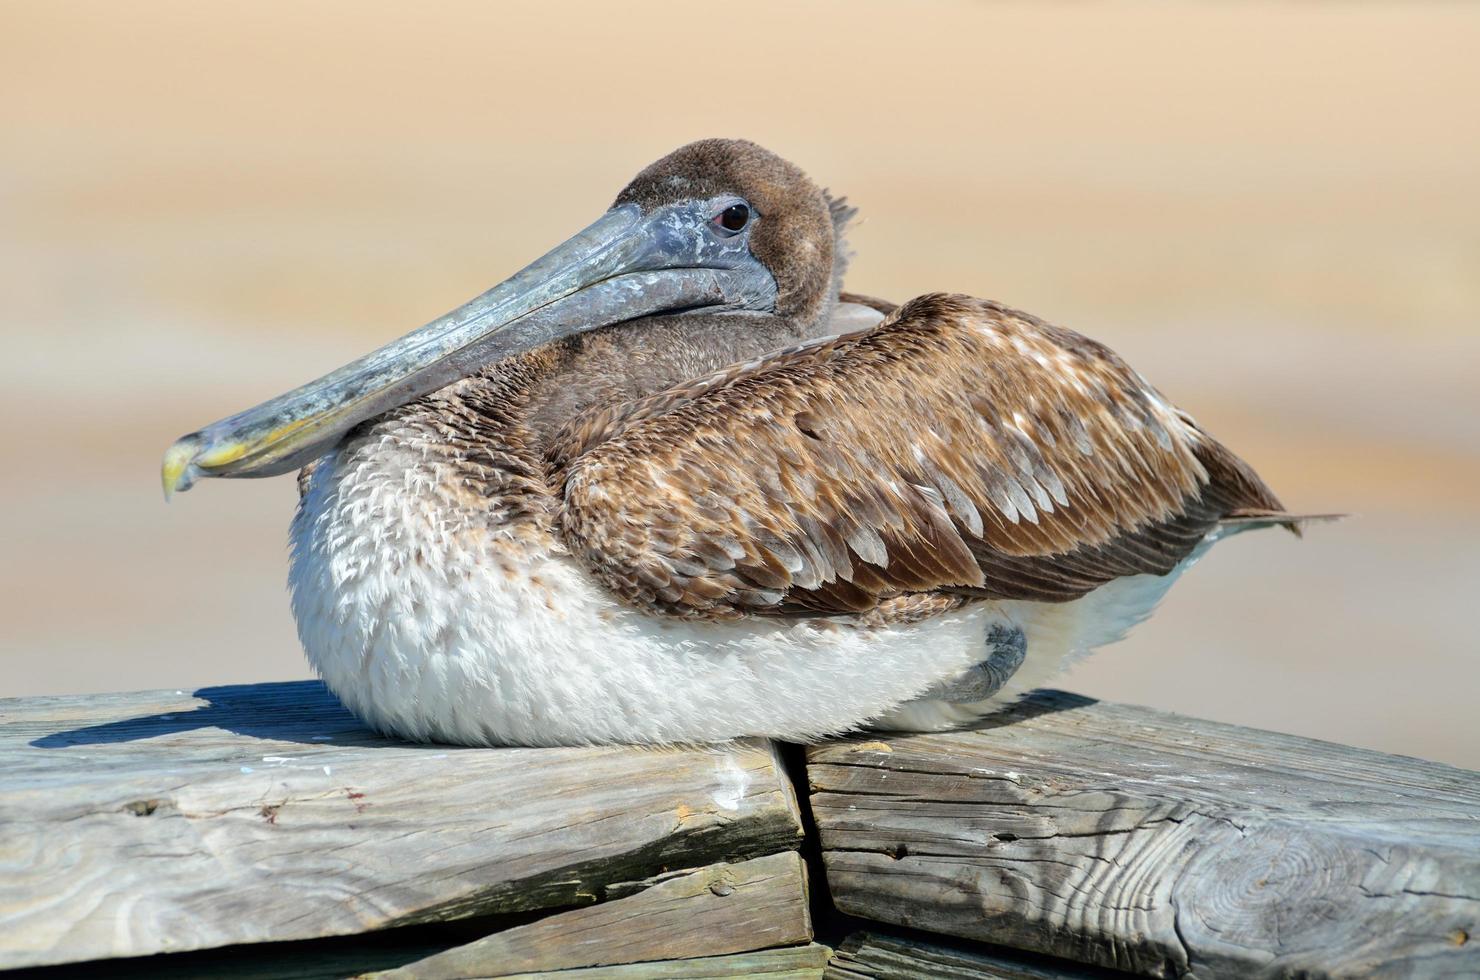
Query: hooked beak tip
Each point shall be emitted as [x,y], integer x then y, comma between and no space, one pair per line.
[177,472]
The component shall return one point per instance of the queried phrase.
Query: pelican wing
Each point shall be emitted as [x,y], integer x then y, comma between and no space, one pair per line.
[957,447]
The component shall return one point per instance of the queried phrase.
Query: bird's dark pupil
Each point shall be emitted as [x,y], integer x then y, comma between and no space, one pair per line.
[734,217]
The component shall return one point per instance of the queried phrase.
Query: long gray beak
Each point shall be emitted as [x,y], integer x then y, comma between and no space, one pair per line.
[627,264]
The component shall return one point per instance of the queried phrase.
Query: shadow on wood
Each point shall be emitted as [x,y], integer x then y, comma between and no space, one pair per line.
[288,711]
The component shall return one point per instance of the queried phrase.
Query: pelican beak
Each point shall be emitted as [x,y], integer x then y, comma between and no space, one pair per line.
[627,264]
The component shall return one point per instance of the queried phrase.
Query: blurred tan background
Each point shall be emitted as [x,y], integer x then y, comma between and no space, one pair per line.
[1272,209]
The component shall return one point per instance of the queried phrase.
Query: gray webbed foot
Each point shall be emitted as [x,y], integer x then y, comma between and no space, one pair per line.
[1007,648]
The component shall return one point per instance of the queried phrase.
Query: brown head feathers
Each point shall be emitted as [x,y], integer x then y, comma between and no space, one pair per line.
[798,226]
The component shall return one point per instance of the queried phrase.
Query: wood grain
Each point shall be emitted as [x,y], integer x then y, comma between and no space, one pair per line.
[877,956]
[166,821]
[1157,844]
[712,911]
[791,963]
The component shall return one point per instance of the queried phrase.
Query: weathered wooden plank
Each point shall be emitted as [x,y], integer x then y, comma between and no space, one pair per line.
[877,956]
[793,963]
[712,911]
[1159,844]
[157,822]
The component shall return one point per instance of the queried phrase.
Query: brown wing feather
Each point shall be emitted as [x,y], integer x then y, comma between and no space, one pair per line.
[957,447]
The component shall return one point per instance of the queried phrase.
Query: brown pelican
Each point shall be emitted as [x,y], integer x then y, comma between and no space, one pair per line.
[641,491]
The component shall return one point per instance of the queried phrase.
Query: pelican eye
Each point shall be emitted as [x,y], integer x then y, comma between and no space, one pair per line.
[733,218]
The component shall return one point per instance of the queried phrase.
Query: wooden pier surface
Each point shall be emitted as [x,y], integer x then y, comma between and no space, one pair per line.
[259,830]
[1156,844]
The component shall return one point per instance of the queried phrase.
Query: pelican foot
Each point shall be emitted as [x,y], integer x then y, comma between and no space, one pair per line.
[1008,649]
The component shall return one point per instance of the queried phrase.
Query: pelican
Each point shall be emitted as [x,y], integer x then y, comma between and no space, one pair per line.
[668,484]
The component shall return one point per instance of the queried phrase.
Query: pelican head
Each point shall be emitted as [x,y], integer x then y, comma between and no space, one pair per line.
[716,226]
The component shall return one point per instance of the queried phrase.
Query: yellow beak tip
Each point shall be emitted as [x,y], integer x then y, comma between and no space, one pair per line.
[174,474]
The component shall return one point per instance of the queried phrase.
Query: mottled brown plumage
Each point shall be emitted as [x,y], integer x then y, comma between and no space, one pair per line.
[959,447]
